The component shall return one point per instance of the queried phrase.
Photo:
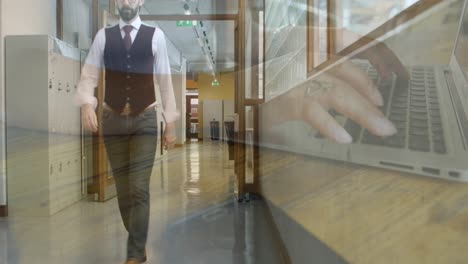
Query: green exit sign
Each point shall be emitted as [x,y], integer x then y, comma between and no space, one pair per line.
[215,83]
[186,23]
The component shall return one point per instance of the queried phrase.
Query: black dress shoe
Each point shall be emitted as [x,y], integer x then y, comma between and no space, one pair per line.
[134,261]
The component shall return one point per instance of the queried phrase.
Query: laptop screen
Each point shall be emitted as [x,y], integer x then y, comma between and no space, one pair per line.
[461,48]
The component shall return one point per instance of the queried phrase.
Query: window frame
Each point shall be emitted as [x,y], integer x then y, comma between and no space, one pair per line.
[404,16]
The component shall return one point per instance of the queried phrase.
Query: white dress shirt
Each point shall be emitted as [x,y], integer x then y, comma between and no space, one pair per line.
[95,62]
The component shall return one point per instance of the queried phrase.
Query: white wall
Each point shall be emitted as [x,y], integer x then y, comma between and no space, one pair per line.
[28,17]
[19,17]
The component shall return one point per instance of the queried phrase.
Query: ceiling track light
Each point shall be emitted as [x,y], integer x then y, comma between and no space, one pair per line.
[200,42]
[196,33]
[204,44]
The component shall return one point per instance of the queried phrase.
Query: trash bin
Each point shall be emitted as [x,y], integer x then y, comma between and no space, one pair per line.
[229,126]
[214,129]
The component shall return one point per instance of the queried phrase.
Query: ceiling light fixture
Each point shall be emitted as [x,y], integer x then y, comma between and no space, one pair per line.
[187,9]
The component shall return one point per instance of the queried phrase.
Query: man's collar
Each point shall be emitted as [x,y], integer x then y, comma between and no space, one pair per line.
[136,23]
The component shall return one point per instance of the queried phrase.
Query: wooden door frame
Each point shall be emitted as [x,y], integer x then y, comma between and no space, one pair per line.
[239,149]
[4,190]
[102,175]
[243,102]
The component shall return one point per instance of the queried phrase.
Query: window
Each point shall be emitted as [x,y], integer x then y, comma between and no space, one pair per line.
[359,17]
[334,25]
[317,39]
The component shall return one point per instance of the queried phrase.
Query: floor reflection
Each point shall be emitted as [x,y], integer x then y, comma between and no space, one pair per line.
[184,183]
[230,233]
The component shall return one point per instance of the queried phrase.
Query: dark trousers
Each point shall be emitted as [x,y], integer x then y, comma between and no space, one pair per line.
[131,146]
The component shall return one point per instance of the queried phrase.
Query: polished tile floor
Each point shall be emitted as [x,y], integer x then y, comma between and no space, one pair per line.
[194,219]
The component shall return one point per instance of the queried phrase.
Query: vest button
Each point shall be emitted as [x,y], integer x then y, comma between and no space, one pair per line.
[129,67]
[129,56]
[128,77]
[128,99]
[128,88]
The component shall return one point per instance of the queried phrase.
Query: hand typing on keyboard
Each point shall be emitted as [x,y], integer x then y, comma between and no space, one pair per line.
[347,90]
[350,93]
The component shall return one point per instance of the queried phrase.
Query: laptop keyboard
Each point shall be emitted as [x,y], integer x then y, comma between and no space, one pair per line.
[413,107]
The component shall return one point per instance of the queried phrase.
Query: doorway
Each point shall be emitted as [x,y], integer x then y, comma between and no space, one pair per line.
[192,122]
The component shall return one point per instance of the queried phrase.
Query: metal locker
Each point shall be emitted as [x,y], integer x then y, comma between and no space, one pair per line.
[43,126]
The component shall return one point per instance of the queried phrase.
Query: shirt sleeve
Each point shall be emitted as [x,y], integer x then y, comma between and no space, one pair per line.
[91,71]
[162,70]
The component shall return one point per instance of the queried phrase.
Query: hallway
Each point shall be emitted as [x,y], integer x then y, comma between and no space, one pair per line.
[194,219]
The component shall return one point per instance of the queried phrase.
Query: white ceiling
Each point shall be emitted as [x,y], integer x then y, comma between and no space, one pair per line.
[220,45]
[219,39]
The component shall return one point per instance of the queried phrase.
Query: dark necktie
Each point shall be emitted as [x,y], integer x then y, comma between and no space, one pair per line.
[127,39]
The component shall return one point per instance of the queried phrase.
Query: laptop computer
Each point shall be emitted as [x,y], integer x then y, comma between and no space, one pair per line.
[430,112]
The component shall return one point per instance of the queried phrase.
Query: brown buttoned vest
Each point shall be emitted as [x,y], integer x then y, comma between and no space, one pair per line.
[129,73]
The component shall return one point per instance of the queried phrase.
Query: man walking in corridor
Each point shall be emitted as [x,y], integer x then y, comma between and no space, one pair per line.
[132,54]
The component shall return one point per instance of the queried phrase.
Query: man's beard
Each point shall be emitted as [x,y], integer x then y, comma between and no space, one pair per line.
[127,13]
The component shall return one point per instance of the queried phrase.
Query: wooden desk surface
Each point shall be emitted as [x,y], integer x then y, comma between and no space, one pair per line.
[370,215]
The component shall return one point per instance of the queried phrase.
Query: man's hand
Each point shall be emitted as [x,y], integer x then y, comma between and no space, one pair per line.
[89,118]
[351,94]
[344,88]
[169,136]
[347,90]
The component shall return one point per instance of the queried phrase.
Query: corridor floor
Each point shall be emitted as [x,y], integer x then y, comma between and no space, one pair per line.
[194,219]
